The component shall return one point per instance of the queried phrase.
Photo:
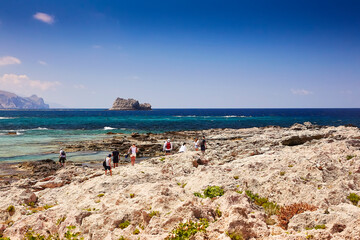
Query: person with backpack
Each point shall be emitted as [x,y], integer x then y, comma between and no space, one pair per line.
[116,155]
[133,150]
[167,147]
[62,157]
[107,164]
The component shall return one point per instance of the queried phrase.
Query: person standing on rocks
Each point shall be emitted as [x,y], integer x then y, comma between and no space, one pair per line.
[168,147]
[182,148]
[62,157]
[133,150]
[116,155]
[196,143]
[203,145]
[107,164]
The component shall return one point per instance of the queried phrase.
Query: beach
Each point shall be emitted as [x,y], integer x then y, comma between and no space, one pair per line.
[299,182]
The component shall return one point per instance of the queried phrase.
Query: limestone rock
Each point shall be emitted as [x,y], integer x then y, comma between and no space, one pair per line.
[12,101]
[129,104]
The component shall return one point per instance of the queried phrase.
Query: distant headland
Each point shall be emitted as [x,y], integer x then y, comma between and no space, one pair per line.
[12,101]
[129,104]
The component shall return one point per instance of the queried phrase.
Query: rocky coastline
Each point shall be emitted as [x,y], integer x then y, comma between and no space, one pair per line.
[301,182]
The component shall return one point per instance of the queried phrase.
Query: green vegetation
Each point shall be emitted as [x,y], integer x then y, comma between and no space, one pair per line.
[136,231]
[162,159]
[236,177]
[101,195]
[354,198]
[239,192]
[213,191]
[290,165]
[348,157]
[235,236]
[271,208]
[218,212]
[185,231]
[270,221]
[4,238]
[10,209]
[122,238]
[31,204]
[69,235]
[282,173]
[132,195]
[60,220]
[197,194]
[46,207]
[154,213]
[124,225]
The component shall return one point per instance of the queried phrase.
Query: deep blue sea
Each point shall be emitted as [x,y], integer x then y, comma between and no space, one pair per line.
[41,132]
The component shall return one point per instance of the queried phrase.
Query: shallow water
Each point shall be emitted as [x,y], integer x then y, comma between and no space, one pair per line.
[39,133]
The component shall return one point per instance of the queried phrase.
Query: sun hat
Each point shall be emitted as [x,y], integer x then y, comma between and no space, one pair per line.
[109,155]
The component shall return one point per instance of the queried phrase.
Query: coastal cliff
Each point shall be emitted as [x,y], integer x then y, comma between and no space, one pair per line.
[129,104]
[12,101]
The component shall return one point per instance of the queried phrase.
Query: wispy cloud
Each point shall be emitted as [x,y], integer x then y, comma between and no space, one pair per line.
[42,62]
[79,86]
[22,84]
[302,92]
[7,60]
[96,46]
[44,17]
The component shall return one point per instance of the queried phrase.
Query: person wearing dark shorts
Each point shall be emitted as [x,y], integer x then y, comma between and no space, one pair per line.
[107,165]
[203,145]
[115,155]
[62,157]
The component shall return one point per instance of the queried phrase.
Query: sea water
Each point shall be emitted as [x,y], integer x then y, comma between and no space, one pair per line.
[37,134]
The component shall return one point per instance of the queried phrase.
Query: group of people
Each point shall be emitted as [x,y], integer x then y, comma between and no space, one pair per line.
[133,150]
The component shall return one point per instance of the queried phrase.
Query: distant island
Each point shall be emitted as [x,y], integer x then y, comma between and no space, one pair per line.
[129,104]
[12,101]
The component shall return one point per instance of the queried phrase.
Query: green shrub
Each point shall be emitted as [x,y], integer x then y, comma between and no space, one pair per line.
[197,194]
[271,208]
[185,231]
[60,220]
[235,236]
[124,225]
[218,212]
[162,159]
[354,198]
[322,226]
[213,191]
[348,157]
[136,231]
[4,238]
[101,195]
[69,235]
[239,192]
[154,213]
[282,173]
[46,207]
[290,165]
[10,209]
[31,204]
[132,195]
[236,177]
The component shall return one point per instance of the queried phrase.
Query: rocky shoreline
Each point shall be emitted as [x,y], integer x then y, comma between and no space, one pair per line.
[301,182]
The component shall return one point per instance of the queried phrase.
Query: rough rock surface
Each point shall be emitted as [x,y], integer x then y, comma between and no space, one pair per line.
[320,171]
[12,101]
[129,104]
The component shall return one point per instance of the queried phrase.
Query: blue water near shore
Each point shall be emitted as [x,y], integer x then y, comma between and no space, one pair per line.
[41,132]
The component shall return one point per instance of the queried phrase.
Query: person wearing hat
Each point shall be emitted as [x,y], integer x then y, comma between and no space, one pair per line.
[108,164]
[167,147]
[62,157]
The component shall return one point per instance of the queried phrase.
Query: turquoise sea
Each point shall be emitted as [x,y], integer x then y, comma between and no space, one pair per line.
[38,133]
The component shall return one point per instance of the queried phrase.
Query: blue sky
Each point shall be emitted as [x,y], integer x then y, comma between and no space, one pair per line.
[182,54]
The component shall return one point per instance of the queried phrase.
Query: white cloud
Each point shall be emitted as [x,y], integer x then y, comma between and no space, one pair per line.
[7,60]
[79,86]
[46,18]
[42,62]
[301,92]
[22,84]
[96,46]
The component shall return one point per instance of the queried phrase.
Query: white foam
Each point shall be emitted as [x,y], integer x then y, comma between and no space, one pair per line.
[109,128]
[40,128]
[7,117]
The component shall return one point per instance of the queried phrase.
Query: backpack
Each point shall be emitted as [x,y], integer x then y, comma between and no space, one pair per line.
[104,163]
[168,145]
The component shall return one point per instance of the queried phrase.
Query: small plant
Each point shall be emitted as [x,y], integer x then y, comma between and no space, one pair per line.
[46,207]
[162,159]
[69,235]
[309,236]
[287,212]
[154,213]
[31,204]
[179,184]
[327,211]
[122,238]
[235,236]
[270,221]
[213,191]
[354,198]
[322,226]
[4,238]
[290,165]
[271,208]
[239,192]
[349,157]
[132,195]
[282,173]
[218,212]
[100,195]
[60,220]
[197,194]
[136,231]
[11,209]
[124,225]
[183,185]
[236,177]
[185,231]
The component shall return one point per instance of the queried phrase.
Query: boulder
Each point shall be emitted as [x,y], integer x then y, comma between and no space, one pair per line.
[129,104]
